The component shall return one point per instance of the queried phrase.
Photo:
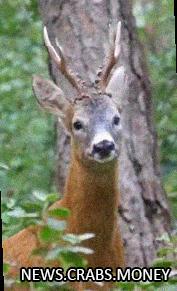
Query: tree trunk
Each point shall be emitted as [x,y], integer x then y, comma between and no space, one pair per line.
[82,29]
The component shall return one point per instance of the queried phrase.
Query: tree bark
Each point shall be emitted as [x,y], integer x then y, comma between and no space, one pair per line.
[82,29]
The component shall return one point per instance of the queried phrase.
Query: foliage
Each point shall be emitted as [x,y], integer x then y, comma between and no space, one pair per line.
[54,244]
[66,248]
[156,27]
[27,138]
[166,258]
[27,134]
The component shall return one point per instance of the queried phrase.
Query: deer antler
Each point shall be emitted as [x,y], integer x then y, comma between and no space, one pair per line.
[112,57]
[59,59]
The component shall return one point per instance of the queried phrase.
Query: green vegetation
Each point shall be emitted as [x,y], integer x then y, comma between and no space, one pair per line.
[27,135]
[166,258]
[54,245]
[156,27]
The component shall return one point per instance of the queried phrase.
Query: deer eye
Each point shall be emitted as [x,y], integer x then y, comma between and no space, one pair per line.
[116,120]
[77,125]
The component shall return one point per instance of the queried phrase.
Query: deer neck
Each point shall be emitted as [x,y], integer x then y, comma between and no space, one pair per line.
[91,194]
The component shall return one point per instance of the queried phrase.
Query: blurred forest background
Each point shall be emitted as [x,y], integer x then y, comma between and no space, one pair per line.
[27,153]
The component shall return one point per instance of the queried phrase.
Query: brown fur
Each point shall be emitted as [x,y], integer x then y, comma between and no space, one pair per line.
[91,194]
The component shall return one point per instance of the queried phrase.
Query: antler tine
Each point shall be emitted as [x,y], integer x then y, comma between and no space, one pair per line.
[59,59]
[117,41]
[112,57]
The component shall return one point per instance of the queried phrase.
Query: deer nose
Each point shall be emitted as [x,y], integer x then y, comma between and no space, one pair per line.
[103,148]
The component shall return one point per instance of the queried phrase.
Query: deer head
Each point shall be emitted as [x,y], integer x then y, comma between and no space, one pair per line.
[93,116]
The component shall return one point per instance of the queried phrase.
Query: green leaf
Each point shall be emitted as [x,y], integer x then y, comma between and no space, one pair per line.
[70,259]
[128,286]
[59,212]
[4,166]
[79,249]
[52,197]
[6,267]
[163,263]
[40,196]
[54,253]
[173,281]
[71,238]
[164,251]
[48,234]
[56,224]
[11,203]
[21,213]
[86,236]
[34,206]
[5,217]
[76,239]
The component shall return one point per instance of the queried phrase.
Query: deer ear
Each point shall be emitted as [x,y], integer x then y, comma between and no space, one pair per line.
[118,84]
[49,96]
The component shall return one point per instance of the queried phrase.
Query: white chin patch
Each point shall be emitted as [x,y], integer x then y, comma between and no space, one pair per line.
[103,160]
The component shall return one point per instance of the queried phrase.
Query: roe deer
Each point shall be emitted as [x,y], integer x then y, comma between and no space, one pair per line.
[91,192]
